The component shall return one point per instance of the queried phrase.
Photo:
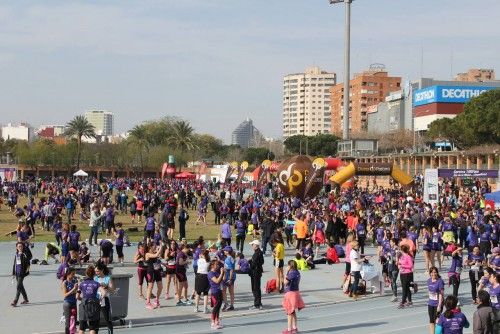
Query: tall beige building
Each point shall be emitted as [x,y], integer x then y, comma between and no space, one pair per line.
[306,102]
[102,121]
[476,75]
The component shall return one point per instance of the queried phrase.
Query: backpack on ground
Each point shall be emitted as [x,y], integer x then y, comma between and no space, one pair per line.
[271,286]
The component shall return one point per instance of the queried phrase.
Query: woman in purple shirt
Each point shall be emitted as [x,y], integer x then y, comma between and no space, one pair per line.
[476,262]
[292,301]
[455,270]
[20,270]
[215,276]
[435,286]
[495,300]
[119,235]
[453,321]
[436,246]
[225,231]
[87,294]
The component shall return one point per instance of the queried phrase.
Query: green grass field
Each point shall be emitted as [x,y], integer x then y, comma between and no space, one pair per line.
[8,222]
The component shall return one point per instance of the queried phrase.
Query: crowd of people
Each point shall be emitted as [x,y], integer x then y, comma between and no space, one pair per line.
[459,233]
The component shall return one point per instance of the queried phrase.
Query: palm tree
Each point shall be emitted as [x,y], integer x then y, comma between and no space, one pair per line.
[182,136]
[79,127]
[139,137]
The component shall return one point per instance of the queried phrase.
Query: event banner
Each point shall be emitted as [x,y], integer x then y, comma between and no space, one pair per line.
[485,173]
[8,174]
[431,187]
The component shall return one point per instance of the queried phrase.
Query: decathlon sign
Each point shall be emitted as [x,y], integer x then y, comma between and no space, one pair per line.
[448,94]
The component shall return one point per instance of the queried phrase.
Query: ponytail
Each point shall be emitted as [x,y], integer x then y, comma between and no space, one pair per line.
[450,303]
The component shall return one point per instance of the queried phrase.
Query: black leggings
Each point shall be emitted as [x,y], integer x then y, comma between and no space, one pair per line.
[20,289]
[405,285]
[432,310]
[474,281]
[216,299]
[240,241]
[300,243]
[455,282]
[106,311]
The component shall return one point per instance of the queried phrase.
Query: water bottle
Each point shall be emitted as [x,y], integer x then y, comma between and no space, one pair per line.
[130,324]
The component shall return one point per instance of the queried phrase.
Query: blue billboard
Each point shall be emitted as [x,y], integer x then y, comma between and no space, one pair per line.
[448,94]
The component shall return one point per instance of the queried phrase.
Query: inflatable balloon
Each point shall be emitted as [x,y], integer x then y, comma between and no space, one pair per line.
[300,177]
[241,171]
[315,178]
[233,166]
[264,169]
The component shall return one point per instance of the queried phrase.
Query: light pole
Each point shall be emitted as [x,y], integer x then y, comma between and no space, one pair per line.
[347,55]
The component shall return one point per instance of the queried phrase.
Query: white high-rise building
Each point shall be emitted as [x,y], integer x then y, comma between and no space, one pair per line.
[23,131]
[102,121]
[306,102]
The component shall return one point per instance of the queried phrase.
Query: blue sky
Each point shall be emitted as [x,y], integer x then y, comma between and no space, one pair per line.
[216,62]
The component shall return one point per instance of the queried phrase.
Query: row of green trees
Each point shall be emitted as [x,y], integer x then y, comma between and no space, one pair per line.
[479,124]
[147,146]
[319,145]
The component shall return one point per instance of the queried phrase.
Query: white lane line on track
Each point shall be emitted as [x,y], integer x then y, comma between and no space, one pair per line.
[307,329]
[392,305]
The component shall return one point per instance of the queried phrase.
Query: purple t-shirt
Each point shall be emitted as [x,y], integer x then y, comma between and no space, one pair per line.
[119,238]
[22,235]
[225,231]
[435,289]
[244,265]
[180,255]
[495,297]
[214,287]
[496,262]
[360,229]
[150,224]
[74,237]
[293,277]
[89,288]
[454,325]
[456,265]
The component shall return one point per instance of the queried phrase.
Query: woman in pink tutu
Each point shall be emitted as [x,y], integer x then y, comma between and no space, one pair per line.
[292,301]
[318,235]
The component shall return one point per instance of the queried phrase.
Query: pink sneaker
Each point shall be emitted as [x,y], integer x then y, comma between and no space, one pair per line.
[149,306]
[157,303]
[167,296]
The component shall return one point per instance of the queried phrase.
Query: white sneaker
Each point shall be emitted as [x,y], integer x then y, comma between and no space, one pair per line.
[196,310]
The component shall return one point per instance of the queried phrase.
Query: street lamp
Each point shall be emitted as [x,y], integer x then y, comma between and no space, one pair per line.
[347,52]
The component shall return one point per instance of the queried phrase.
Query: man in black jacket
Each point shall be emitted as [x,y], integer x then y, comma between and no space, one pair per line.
[256,264]
[267,229]
[20,270]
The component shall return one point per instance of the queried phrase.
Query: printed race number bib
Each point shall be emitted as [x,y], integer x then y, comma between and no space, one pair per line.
[433,295]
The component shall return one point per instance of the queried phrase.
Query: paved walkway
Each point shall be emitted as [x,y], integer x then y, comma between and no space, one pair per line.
[320,289]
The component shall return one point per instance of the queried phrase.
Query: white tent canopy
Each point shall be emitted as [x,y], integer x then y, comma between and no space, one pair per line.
[80,173]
